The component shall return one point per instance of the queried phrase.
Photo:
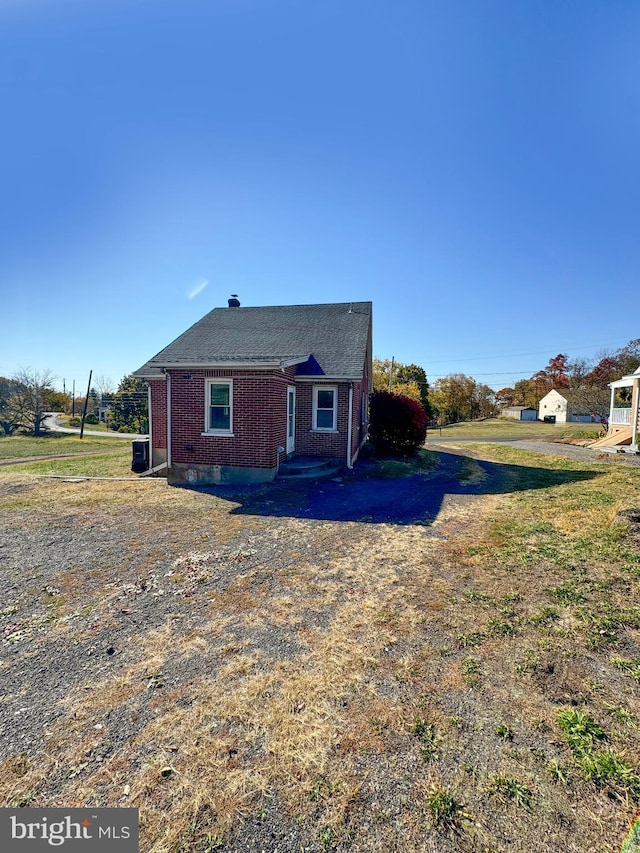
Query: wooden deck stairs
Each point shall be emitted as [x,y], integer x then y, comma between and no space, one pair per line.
[618,436]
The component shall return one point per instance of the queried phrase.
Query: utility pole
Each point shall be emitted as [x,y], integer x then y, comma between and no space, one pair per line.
[391,371]
[86,401]
[73,400]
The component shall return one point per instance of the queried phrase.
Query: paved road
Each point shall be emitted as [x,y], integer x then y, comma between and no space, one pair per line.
[51,423]
[434,437]
[552,448]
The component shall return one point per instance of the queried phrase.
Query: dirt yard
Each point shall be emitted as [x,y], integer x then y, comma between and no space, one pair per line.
[374,664]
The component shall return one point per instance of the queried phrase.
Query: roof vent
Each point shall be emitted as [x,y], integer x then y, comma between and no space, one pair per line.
[234,301]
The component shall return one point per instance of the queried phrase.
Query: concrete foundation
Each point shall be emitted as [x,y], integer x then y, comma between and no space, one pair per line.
[185,474]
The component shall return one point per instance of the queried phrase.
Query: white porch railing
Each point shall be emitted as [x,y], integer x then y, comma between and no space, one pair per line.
[621,416]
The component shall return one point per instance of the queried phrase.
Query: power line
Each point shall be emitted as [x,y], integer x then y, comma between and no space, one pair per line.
[515,354]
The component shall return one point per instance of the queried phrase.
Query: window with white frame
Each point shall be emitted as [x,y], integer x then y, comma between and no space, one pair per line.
[325,408]
[218,406]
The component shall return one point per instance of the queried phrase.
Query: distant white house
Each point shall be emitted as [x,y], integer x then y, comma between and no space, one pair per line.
[520,413]
[564,406]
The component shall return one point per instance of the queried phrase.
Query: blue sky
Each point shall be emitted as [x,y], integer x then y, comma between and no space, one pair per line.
[470,167]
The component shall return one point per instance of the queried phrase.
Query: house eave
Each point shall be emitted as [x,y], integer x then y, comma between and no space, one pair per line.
[227,365]
[625,382]
[324,378]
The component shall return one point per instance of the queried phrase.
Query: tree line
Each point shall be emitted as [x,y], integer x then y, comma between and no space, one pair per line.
[458,397]
[586,379]
[453,398]
[27,396]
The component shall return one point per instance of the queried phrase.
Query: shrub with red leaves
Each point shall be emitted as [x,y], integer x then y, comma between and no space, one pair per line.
[398,424]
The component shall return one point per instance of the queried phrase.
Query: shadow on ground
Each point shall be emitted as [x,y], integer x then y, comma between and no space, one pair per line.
[364,496]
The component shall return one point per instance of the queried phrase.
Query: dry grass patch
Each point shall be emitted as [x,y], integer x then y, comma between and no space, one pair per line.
[327,685]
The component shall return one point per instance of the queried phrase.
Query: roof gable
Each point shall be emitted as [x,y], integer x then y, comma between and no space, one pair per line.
[328,339]
[573,398]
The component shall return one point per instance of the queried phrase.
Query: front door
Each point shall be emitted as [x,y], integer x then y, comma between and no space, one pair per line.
[291,420]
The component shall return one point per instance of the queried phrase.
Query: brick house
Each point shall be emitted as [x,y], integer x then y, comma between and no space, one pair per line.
[245,389]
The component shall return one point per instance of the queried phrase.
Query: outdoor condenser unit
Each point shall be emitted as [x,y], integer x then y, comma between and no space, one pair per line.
[140,460]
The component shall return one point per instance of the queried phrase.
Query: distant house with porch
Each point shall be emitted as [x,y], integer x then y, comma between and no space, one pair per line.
[623,428]
[246,389]
[565,407]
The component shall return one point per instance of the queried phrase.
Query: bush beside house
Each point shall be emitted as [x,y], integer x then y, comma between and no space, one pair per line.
[398,424]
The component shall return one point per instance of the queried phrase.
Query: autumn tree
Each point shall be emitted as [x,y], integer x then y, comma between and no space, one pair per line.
[629,357]
[614,365]
[57,401]
[104,386]
[130,406]
[484,401]
[556,371]
[596,398]
[505,397]
[526,393]
[453,397]
[8,421]
[605,371]
[414,375]
[577,371]
[409,380]
[381,374]
[25,405]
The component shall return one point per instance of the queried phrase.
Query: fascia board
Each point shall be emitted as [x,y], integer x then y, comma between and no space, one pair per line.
[227,365]
[323,378]
[625,382]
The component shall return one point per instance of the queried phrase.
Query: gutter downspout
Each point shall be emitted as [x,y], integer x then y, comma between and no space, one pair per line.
[350,427]
[150,426]
[168,421]
[635,394]
[613,397]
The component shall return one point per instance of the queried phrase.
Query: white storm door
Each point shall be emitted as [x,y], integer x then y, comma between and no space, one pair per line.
[291,420]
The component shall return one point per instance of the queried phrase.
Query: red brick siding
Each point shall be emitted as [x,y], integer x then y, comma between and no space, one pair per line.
[159,413]
[309,443]
[259,419]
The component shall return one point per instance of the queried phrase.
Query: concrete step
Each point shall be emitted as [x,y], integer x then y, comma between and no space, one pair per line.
[308,467]
[629,448]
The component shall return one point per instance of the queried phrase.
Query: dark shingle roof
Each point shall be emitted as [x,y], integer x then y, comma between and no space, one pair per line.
[336,335]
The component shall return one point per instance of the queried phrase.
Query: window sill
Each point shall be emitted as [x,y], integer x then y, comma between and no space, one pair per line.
[218,433]
[331,431]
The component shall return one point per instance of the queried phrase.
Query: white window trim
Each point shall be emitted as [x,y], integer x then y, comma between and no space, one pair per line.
[316,389]
[207,397]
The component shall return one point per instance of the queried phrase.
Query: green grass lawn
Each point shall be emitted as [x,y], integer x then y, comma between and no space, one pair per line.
[116,463]
[496,427]
[64,420]
[21,446]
